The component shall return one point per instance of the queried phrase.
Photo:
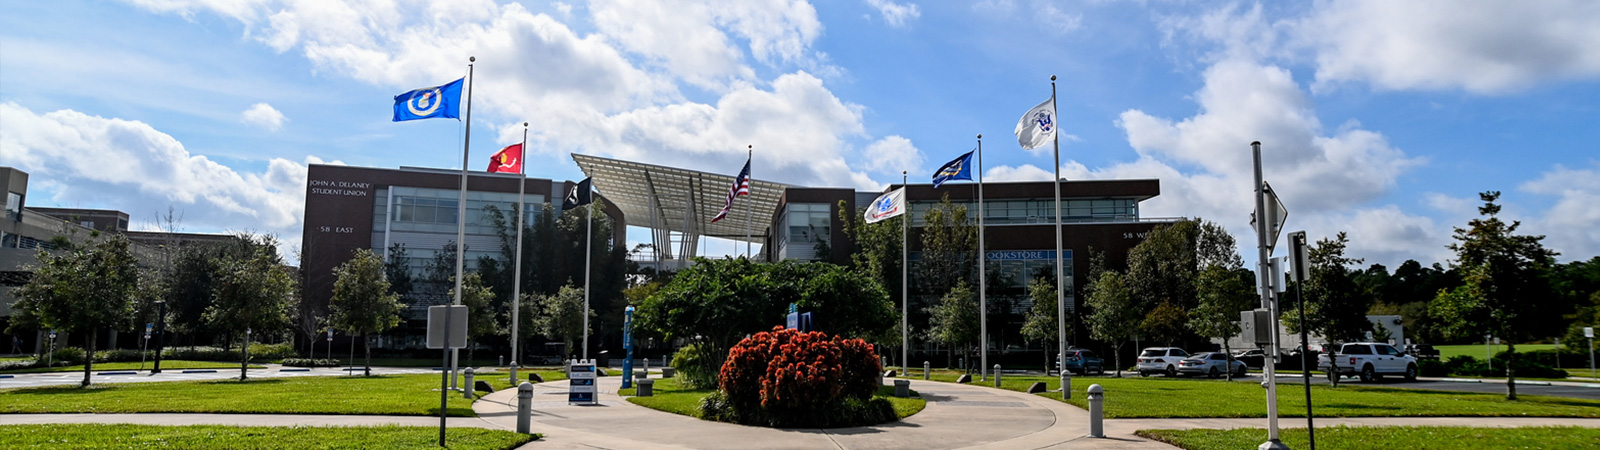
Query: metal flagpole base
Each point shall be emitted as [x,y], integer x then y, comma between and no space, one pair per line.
[1272,445]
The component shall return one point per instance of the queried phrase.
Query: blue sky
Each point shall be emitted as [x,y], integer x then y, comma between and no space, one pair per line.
[1381,119]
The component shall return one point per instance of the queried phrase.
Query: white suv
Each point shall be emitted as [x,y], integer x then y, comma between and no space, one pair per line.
[1161,360]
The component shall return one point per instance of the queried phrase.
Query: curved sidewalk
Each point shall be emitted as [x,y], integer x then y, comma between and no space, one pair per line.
[957,416]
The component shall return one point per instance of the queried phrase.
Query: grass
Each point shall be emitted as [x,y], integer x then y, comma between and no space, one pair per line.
[166,364]
[413,395]
[670,396]
[1376,438]
[414,362]
[1477,351]
[1157,397]
[100,436]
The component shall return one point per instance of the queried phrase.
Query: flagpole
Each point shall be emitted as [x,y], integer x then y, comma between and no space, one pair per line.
[461,236]
[749,159]
[983,291]
[516,277]
[588,240]
[905,225]
[1061,297]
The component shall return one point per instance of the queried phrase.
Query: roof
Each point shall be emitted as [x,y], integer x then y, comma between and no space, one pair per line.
[663,198]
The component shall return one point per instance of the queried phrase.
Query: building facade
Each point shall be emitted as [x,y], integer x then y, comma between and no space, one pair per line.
[352,208]
[1019,230]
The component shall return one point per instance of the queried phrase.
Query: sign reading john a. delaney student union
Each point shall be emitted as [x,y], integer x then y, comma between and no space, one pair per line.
[330,187]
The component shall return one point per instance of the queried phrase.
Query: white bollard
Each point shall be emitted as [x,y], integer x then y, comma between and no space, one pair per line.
[996,375]
[1097,398]
[466,389]
[524,406]
[925,369]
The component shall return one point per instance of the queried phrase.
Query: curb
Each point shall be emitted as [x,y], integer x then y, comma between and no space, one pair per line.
[200,371]
[294,370]
[117,373]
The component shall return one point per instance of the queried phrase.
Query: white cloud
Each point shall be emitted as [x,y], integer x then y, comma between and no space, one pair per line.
[129,166]
[893,154]
[1485,47]
[1570,224]
[264,116]
[897,15]
[587,93]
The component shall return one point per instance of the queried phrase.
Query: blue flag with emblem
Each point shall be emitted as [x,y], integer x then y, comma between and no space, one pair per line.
[429,102]
[957,169]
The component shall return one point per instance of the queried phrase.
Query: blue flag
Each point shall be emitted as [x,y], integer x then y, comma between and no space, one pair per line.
[429,102]
[957,169]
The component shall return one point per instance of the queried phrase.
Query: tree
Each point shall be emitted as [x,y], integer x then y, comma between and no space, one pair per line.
[1506,291]
[81,290]
[713,303]
[1162,270]
[252,294]
[1222,287]
[1223,293]
[1336,307]
[954,320]
[878,248]
[559,316]
[481,313]
[949,240]
[1113,315]
[363,301]
[847,303]
[1040,323]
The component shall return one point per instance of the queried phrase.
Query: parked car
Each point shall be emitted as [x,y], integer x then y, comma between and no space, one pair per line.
[1256,358]
[1210,364]
[1369,361]
[1160,360]
[1082,361]
[1422,351]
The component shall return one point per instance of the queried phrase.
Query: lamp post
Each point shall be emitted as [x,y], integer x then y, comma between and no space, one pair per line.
[330,346]
[161,333]
[50,361]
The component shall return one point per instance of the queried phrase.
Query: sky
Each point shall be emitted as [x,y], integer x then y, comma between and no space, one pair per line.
[1380,119]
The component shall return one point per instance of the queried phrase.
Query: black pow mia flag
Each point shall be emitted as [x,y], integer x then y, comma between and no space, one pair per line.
[581,194]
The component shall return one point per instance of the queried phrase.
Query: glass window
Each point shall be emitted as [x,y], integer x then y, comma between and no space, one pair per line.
[13,206]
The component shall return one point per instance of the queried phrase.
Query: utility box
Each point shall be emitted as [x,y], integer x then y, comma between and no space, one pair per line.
[1255,326]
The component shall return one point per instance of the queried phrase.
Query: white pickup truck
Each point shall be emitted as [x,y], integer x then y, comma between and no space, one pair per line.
[1368,360]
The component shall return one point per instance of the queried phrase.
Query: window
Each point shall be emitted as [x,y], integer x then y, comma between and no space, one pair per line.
[1353,349]
[13,206]
[1177,352]
[86,223]
[1087,354]
[1388,350]
[1218,357]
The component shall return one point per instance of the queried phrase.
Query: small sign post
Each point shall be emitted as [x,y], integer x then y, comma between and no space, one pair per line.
[627,344]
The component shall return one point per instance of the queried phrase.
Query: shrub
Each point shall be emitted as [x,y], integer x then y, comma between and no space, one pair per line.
[1432,368]
[309,362]
[69,355]
[1526,367]
[859,367]
[696,366]
[788,378]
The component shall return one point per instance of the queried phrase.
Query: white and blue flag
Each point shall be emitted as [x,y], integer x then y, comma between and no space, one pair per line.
[890,204]
[429,102]
[1038,126]
[957,169]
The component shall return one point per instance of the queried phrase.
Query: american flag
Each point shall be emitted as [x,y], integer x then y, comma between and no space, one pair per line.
[741,186]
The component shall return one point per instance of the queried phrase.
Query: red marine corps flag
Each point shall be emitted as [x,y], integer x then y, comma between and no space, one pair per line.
[508,160]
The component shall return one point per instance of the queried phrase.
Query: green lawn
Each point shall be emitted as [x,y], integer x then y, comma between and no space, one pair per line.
[667,395]
[416,362]
[1135,397]
[414,395]
[166,365]
[98,436]
[1477,351]
[1384,438]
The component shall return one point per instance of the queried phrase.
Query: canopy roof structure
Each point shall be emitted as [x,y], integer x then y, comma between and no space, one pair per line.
[678,204]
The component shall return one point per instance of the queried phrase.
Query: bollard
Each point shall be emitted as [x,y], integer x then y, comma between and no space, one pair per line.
[902,388]
[647,367]
[500,361]
[1066,385]
[524,406]
[996,375]
[1097,398]
[646,387]
[925,368]
[466,389]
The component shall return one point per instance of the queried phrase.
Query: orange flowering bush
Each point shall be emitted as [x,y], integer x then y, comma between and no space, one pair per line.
[785,370]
